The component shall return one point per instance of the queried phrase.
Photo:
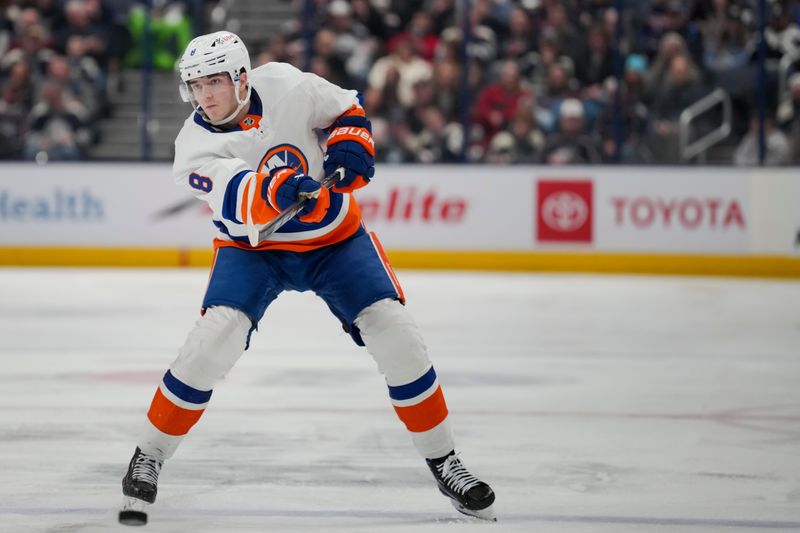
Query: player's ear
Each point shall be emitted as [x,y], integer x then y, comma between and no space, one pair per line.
[243,82]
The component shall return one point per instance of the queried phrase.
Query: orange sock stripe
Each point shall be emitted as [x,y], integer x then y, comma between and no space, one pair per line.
[426,415]
[169,418]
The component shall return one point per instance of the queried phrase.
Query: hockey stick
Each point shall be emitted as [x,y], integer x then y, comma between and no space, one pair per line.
[256,234]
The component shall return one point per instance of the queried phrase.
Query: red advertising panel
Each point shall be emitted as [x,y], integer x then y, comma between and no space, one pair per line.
[564,211]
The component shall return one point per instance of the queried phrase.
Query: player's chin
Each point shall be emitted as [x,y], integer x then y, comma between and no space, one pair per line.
[213,112]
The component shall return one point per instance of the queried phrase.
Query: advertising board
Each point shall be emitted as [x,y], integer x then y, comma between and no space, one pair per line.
[435,209]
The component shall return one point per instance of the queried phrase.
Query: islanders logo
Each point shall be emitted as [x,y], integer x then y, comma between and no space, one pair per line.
[283,155]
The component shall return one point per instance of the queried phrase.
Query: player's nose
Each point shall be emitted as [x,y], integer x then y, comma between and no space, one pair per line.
[205,93]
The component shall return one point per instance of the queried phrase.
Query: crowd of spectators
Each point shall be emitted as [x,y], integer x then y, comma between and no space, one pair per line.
[552,81]
[544,81]
[55,62]
[61,59]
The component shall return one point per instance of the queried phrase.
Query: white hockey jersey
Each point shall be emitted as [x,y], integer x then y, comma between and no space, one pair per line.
[287,109]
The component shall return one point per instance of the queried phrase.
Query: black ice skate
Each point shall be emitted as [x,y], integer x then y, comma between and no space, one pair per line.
[139,486]
[468,494]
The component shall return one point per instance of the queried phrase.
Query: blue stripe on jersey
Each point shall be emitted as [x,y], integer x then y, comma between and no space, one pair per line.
[184,391]
[231,193]
[415,388]
[294,225]
[223,228]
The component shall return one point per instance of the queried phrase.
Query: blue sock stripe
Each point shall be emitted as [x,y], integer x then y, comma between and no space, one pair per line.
[184,391]
[415,388]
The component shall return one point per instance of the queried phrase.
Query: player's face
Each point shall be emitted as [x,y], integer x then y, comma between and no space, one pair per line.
[215,95]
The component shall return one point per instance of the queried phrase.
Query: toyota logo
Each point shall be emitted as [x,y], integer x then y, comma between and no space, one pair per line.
[564,211]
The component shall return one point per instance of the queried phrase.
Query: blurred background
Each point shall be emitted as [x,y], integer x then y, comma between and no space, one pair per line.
[561,139]
[478,81]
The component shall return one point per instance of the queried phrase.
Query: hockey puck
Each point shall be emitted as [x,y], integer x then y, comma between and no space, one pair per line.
[133,518]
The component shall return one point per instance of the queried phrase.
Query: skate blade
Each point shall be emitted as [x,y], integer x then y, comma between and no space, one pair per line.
[482,514]
[133,512]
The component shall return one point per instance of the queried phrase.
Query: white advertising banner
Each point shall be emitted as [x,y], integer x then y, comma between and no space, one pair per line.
[474,208]
[775,198]
[115,205]
[648,209]
[450,207]
[576,208]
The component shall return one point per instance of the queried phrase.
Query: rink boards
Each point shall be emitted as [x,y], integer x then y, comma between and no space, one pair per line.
[685,220]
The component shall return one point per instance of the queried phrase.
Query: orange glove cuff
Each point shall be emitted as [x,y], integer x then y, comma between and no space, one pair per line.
[320,209]
[352,133]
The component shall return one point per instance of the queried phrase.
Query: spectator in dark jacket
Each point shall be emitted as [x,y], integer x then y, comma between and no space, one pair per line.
[595,66]
[624,141]
[57,128]
[79,25]
[682,87]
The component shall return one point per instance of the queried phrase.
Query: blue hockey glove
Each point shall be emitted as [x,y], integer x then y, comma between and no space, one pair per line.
[350,146]
[286,186]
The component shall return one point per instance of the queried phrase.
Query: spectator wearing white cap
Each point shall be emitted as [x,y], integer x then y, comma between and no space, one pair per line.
[571,145]
[354,45]
[406,66]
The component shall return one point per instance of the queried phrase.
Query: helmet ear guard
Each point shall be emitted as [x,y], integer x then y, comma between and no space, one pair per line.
[215,53]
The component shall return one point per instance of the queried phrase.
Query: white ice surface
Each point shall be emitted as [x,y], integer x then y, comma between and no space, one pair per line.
[613,404]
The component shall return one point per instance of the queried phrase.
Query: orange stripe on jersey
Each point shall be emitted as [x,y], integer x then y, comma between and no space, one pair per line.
[245,196]
[345,229]
[387,266]
[426,415]
[261,212]
[169,418]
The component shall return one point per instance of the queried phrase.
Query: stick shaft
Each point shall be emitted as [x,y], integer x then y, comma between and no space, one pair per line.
[290,212]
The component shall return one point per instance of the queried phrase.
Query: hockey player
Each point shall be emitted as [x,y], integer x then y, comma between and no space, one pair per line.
[250,149]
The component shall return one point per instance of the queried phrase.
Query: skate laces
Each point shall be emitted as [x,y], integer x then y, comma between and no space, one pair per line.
[456,475]
[146,468]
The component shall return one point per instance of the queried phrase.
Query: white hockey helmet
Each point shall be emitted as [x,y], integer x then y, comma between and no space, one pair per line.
[214,53]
